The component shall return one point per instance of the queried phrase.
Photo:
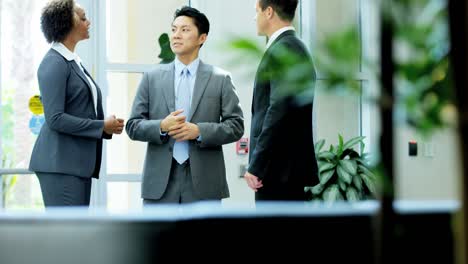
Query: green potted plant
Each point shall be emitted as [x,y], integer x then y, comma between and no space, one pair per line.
[166,55]
[344,173]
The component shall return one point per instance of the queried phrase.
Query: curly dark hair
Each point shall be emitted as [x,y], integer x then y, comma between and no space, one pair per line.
[57,19]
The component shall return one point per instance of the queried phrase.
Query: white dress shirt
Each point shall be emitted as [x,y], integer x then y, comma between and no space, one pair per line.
[278,32]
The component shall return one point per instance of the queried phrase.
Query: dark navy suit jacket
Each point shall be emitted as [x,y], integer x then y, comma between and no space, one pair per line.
[282,145]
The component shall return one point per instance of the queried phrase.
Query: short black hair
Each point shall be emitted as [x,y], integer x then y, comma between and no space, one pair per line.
[199,19]
[286,9]
[57,19]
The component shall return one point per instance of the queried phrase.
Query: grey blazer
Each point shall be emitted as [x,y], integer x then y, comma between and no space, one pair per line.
[215,109]
[70,141]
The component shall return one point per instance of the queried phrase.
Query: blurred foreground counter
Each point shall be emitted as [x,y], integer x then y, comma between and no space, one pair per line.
[215,233]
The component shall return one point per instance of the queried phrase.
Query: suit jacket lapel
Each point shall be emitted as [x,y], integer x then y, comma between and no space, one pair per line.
[201,81]
[100,111]
[167,81]
[80,73]
[90,77]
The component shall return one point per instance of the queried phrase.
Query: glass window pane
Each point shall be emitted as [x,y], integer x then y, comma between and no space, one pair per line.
[123,196]
[134,27]
[22,192]
[334,19]
[17,139]
[20,23]
[336,114]
[335,15]
[123,155]
[370,117]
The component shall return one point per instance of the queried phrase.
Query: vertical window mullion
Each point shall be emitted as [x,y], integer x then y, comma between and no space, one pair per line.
[99,197]
[1,121]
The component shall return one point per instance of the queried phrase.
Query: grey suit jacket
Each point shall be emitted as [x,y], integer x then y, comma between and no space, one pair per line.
[70,141]
[215,109]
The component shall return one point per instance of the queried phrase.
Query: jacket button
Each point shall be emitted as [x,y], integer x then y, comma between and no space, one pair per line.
[170,149]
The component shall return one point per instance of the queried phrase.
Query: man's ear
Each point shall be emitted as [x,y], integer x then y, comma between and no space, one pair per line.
[202,38]
[270,12]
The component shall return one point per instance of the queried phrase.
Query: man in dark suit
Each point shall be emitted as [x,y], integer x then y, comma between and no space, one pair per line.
[282,158]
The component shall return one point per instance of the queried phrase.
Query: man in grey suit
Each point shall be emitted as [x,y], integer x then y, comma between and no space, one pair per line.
[186,111]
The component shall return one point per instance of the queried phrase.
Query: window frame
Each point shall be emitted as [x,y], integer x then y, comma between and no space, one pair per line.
[103,66]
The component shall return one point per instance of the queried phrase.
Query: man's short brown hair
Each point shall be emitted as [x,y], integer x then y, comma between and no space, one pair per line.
[286,9]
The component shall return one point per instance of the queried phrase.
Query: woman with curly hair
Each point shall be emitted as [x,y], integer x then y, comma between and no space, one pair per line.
[68,150]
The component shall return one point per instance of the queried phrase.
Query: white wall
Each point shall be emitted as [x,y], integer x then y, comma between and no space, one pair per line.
[423,177]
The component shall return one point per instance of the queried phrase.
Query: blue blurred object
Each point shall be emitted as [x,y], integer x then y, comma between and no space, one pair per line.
[36,123]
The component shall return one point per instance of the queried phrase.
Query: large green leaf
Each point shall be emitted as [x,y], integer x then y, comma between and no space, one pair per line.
[319,145]
[357,182]
[340,141]
[343,174]
[342,184]
[246,45]
[369,182]
[332,149]
[366,171]
[361,161]
[317,189]
[323,166]
[350,143]
[325,176]
[352,194]
[349,165]
[363,146]
[332,193]
[340,145]
[326,155]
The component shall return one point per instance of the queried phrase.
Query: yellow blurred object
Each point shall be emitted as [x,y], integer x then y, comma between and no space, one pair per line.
[35,105]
